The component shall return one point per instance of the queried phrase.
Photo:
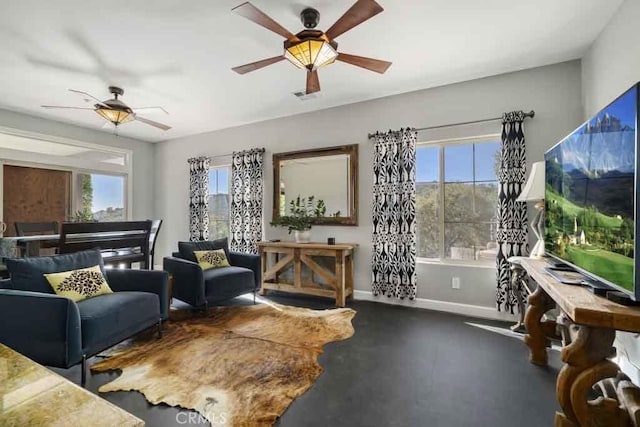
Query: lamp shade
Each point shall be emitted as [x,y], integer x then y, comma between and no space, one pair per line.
[534,187]
[311,54]
[116,117]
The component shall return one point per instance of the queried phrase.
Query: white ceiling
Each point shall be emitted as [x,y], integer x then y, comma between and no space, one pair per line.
[178,54]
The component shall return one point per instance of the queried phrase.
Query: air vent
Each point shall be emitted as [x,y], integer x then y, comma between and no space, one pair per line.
[302,95]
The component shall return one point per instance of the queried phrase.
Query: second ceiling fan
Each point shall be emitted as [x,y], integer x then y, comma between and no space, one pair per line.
[311,49]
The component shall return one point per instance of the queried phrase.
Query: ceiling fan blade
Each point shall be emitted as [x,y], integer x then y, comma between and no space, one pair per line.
[254,14]
[152,123]
[150,109]
[356,15]
[243,69]
[69,108]
[79,92]
[313,83]
[369,63]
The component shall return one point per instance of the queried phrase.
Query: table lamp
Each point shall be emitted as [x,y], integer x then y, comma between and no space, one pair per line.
[533,191]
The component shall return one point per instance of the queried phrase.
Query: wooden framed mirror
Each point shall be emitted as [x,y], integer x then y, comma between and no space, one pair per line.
[329,174]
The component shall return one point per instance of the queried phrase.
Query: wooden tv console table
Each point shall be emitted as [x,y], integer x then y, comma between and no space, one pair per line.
[587,326]
[337,284]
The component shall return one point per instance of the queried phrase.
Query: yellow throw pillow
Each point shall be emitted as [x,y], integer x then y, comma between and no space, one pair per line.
[211,259]
[79,284]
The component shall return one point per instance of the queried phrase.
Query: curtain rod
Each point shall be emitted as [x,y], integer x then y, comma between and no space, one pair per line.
[261,150]
[530,114]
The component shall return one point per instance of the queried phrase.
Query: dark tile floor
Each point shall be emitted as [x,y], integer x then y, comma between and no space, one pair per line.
[403,367]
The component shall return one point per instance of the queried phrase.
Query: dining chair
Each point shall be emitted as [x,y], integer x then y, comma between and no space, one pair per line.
[153,235]
[32,228]
[37,228]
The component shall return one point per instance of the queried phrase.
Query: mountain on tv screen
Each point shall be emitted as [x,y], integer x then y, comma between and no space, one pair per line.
[590,194]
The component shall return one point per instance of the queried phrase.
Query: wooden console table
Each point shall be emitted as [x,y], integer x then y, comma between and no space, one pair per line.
[587,327]
[337,284]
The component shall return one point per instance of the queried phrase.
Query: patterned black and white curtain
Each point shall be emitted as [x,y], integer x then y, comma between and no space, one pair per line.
[199,198]
[246,200]
[394,214]
[512,215]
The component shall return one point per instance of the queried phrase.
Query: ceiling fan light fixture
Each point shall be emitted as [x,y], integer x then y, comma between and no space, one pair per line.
[117,117]
[311,53]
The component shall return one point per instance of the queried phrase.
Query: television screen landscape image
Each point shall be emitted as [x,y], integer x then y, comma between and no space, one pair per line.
[590,195]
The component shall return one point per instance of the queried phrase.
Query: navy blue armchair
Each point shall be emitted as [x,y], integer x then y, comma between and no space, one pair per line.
[201,288]
[56,331]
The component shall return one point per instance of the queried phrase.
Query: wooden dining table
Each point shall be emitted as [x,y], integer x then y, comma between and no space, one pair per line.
[33,243]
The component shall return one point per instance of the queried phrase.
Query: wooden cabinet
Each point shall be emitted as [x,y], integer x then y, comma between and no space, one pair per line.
[308,268]
[35,195]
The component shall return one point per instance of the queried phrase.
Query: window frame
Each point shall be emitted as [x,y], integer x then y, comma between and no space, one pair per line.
[441,144]
[125,197]
[229,181]
[75,166]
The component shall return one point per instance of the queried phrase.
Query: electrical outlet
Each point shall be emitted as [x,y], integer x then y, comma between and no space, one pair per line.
[455,283]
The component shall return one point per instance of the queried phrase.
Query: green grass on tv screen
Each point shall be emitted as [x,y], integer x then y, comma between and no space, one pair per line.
[591,240]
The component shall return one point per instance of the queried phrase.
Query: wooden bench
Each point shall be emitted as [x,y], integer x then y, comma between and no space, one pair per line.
[122,242]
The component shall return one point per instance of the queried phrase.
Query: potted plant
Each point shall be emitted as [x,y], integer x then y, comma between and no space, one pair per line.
[301,211]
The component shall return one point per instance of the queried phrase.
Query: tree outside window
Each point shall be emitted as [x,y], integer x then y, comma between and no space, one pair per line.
[100,198]
[456,198]
[219,202]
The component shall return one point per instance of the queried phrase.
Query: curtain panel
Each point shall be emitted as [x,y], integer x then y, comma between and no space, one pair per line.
[199,198]
[511,231]
[394,214]
[247,179]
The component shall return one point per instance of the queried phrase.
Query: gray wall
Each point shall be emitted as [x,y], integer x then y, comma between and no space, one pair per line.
[611,66]
[143,153]
[552,91]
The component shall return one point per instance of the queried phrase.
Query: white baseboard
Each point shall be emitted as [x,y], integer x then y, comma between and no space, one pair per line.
[449,307]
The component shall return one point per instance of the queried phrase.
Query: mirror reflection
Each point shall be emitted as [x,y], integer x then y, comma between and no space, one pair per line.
[326,174]
[326,178]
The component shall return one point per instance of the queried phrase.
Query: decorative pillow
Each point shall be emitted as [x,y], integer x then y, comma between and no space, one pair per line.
[27,274]
[187,249]
[79,284]
[212,259]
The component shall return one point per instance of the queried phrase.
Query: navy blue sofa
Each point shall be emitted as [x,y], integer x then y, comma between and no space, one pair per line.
[201,288]
[56,331]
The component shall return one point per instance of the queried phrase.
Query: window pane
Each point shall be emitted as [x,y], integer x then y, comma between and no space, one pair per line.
[486,197]
[469,191]
[218,229]
[459,202]
[100,198]
[428,201]
[460,241]
[427,164]
[223,181]
[428,239]
[458,163]
[219,202]
[487,248]
[486,156]
[470,241]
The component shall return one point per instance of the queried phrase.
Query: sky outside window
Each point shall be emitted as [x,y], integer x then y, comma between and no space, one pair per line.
[108,191]
[219,181]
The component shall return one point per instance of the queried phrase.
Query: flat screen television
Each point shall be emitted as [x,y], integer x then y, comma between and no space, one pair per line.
[590,197]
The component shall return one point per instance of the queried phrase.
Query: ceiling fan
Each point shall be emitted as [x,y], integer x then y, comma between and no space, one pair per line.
[311,49]
[113,110]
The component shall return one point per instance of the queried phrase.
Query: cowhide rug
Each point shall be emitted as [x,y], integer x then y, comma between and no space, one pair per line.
[236,366]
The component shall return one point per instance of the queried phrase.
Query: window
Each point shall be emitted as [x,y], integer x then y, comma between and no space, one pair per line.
[456,198]
[100,197]
[219,202]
